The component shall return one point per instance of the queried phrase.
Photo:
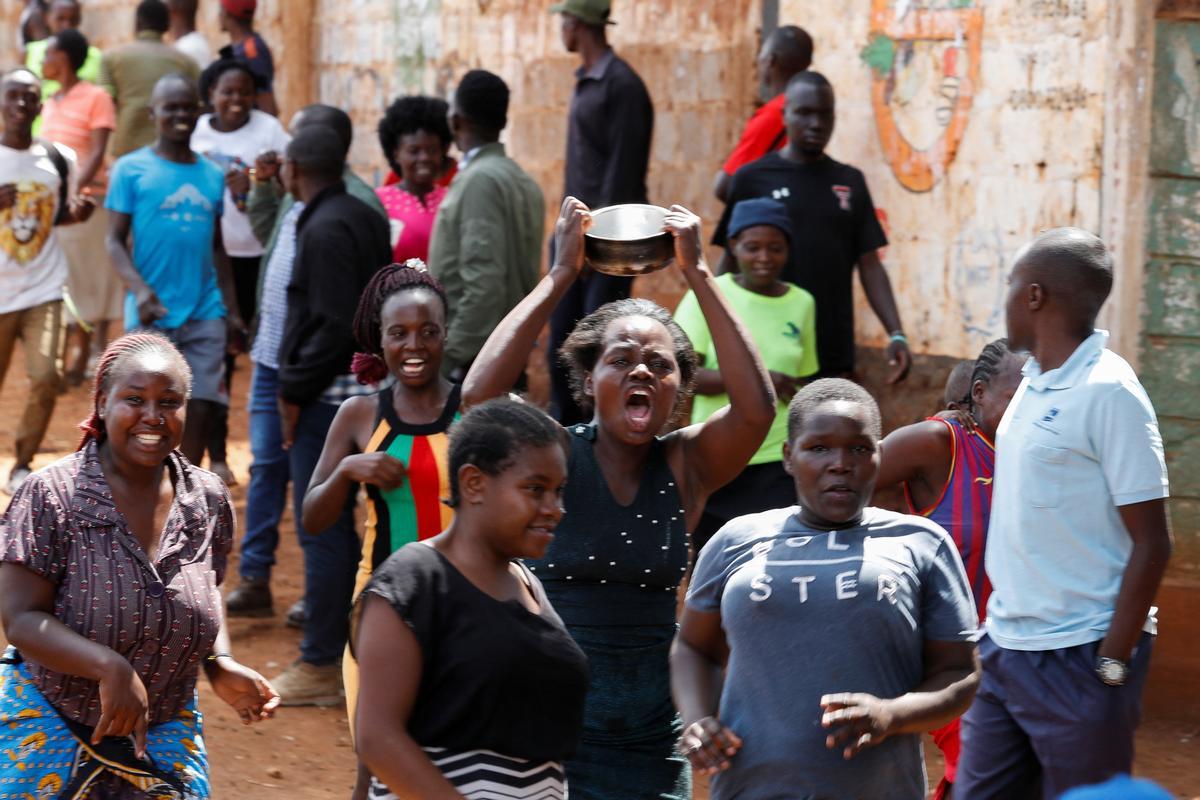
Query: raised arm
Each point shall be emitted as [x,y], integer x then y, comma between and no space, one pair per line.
[716,450]
[389,659]
[506,351]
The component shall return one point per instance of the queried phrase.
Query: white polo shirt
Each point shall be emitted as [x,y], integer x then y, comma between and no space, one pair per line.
[1075,443]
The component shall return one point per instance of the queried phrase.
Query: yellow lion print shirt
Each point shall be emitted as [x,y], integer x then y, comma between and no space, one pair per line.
[33,267]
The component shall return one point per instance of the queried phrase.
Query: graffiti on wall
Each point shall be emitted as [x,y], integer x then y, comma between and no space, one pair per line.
[979,274]
[924,58]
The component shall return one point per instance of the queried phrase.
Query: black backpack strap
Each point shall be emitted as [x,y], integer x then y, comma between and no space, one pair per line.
[777,142]
[64,174]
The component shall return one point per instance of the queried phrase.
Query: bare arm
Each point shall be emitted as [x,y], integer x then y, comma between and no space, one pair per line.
[951,676]
[1147,526]
[266,103]
[698,657]
[89,168]
[343,466]
[26,612]
[918,455]
[878,289]
[389,660]
[721,185]
[717,449]
[506,351]
[225,281]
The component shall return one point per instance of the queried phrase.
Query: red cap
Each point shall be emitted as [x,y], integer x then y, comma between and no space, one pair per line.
[242,9]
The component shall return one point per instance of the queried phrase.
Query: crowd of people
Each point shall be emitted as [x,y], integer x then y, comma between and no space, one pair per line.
[678,570]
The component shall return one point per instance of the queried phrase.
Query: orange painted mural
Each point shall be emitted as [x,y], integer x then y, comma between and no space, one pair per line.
[924,59]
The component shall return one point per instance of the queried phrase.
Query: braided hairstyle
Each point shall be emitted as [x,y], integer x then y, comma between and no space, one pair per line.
[493,434]
[368,365]
[582,349]
[987,366]
[115,360]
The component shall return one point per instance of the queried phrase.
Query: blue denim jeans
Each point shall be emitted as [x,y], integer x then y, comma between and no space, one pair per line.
[270,472]
[330,557]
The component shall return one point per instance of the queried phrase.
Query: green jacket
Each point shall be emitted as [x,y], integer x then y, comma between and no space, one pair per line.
[486,248]
[266,211]
[128,72]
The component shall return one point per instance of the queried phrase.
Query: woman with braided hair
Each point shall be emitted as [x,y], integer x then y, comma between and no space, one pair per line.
[393,442]
[110,565]
[944,466]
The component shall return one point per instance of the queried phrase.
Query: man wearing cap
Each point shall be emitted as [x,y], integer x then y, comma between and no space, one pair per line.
[130,71]
[608,150]
[237,19]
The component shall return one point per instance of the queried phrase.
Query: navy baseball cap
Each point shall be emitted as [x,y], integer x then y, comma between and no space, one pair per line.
[760,211]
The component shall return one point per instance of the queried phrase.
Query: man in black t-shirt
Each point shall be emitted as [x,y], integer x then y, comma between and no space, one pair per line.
[834,228]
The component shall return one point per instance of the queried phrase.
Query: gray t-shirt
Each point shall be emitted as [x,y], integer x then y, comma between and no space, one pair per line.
[808,613]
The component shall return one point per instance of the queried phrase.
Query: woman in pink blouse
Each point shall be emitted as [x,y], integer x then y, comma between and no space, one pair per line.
[415,137]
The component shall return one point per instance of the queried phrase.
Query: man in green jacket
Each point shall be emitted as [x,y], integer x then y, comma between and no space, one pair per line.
[486,242]
[273,216]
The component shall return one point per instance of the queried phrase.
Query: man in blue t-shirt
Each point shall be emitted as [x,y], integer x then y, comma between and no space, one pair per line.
[177,274]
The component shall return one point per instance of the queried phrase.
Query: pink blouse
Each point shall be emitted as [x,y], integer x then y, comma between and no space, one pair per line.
[410,219]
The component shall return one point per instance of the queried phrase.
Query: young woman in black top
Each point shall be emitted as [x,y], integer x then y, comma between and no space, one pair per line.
[470,685]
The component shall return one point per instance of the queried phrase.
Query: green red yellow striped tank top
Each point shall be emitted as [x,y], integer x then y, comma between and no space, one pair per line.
[415,510]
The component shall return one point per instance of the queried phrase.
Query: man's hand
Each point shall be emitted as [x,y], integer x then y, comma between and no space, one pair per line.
[899,359]
[785,386]
[266,166]
[80,207]
[855,721]
[238,181]
[150,309]
[289,417]
[236,334]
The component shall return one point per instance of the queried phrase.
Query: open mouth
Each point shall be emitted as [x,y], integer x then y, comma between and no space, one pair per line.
[412,367]
[149,439]
[638,408]
[182,126]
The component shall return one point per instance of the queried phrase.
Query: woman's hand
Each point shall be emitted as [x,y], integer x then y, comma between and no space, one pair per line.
[785,386]
[241,687]
[709,745]
[684,226]
[237,181]
[857,721]
[573,221]
[377,469]
[124,706]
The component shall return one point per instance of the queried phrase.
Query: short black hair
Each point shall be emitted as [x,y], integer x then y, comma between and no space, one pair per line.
[152,15]
[170,78]
[580,352]
[318,151]
[958,384]
[74,44]
[213,72]
[831,390]
[492,435]
[1076,268]
[482,98]
[810,78]
[792,46]
[185,7]
[407,115]
[329,117]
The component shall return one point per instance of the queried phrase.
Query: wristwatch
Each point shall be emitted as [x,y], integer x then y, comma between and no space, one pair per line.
[1111,671]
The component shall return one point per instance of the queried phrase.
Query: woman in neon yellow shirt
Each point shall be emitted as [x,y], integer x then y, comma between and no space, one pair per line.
[781,318]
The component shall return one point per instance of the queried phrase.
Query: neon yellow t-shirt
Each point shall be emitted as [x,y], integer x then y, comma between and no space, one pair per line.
[785,330]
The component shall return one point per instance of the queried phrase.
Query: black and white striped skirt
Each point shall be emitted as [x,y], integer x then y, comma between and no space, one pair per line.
[484,775]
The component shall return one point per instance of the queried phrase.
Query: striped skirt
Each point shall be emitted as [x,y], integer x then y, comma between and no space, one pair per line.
[484,775]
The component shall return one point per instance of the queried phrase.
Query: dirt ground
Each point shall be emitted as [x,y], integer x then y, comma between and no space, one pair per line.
[305,753]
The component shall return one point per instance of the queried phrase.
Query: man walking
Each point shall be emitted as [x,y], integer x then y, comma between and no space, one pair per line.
[834,228]
[131,71]
[340,244]
[184,36]
[177,274]
[608,151]
[273,215]
[785,53]
[1077,545]
[35,196]
[487,237]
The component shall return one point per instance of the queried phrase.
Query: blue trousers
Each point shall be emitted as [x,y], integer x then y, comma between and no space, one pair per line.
[331,557]
[1042,722]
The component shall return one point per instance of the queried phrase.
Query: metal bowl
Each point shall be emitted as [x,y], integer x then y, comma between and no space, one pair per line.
[628,240]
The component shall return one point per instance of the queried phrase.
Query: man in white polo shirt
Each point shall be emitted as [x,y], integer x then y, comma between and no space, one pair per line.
[1077,545]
